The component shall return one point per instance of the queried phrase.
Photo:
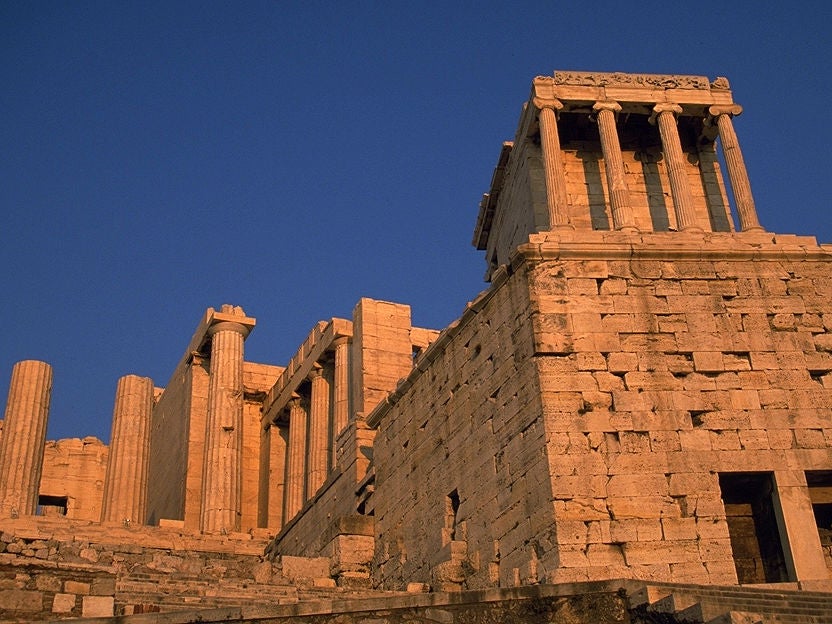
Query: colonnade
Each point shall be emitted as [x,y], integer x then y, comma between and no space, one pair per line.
[665,116]
[314,418]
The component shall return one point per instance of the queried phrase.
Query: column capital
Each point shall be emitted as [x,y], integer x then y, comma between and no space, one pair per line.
[317,371]
[664,107]
[610,105]
[552,103]
[233,326]
[341,340]
[726,109]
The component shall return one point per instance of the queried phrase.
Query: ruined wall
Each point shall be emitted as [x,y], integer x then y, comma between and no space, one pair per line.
[74,471]
[459,455]
[662,369]
[172,448]
[522,207]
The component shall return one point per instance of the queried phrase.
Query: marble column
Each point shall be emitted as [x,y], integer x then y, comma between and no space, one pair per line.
[622,211]
[125,486]
[277,476]
[556,196]
[23,438]
[738,174]
[341,391]
[296,459]
[318,431]
[664,115]
[222,476]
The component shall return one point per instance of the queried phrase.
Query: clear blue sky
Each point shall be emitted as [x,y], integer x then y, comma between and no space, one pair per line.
[162,157]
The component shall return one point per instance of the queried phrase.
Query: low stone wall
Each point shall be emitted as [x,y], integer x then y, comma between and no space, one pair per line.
[56,568]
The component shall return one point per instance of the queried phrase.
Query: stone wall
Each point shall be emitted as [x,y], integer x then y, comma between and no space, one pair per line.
[595,449]
[172,449]
[55,568]
[73,473]
[522,202]
[668,370]
[459,454]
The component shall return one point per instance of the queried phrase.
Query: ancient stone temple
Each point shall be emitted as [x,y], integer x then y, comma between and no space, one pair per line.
[632,423]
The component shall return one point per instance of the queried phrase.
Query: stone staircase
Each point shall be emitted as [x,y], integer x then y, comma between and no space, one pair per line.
[171,592]
[699,604]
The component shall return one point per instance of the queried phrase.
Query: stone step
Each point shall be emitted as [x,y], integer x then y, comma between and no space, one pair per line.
[737,617]
[706,604]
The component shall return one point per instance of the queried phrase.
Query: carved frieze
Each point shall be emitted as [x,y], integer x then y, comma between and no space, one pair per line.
[662,81]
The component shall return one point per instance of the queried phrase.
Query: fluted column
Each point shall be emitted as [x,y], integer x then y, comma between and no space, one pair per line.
[318,431]
[276,476]
[24,435]
[665,116]
[341,390]
[622,211]
[740,184]
[222,477]
[556,196]
[125,486]
[296,464]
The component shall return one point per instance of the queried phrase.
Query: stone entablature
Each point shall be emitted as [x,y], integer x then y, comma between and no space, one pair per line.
[574,89]
[663,81]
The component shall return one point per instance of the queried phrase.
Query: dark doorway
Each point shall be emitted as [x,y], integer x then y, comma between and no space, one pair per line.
[752,527]
[51,505]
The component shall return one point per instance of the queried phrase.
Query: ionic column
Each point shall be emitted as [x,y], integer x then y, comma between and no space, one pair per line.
[24,435]
[341,390]
[296,452]
[125,486]
[222,477]
[740,184]
[318,432]
[665,115]
[622,212]
[556,196]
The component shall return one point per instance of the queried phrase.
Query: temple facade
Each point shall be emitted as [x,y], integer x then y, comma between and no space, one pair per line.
[643,391]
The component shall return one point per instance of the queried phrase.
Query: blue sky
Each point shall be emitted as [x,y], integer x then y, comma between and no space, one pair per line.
[162,157]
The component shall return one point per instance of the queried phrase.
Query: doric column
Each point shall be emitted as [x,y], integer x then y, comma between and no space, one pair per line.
[622,212]
[556,196]
[665,116]
[222,477]
[125,486]
[296,465]
[318,431]
[341,390]
[276,476]
[740,184]
[24,435]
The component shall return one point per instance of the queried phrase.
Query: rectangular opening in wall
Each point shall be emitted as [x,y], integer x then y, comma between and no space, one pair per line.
[752,527]
[820,493]
[51,505]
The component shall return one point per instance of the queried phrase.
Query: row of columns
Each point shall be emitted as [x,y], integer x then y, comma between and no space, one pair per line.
[664,115]
[314,425]
[24,437]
